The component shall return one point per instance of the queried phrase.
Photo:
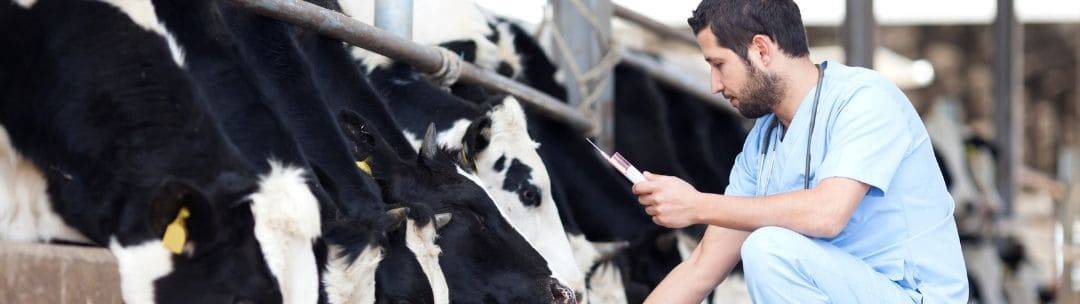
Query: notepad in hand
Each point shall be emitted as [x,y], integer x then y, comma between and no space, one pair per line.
[621,164]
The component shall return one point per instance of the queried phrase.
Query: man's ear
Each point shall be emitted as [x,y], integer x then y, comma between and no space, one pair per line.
[172,197]
[360,138]
[476,139]
[763,47]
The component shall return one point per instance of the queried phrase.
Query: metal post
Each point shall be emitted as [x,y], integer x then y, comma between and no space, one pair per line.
[395,16]
[858,33]
[580,35]
[1008,112]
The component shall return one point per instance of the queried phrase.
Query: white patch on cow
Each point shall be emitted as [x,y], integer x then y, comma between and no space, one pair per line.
[606,285]
[585,254]
[370,59]
[421,241]
[286,223]
[26,4]
[451,138]
[142,13]
[507,52]
[140,265]
[351,282]
[414,141]
[26,212]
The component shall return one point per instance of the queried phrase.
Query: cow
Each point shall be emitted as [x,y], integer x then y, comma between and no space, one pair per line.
[303,65]
[351,241]
[95,105]
[498,147]
[494,144]
[497,257]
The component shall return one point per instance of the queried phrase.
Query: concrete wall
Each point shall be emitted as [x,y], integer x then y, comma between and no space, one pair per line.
[40,273]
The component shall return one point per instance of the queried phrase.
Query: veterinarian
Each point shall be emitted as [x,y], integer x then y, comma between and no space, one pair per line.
[836,196]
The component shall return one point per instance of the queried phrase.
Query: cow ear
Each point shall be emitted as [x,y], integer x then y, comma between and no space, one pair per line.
[172,204]
[398,216]
[442,219]
[476,139]
[429,147]
[361,140]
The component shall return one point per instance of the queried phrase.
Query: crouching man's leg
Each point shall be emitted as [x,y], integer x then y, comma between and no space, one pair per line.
[782,266]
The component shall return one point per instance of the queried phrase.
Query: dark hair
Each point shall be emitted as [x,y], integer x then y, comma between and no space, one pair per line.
[735,22]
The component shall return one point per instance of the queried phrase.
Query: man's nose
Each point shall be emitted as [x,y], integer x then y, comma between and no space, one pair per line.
[717,86]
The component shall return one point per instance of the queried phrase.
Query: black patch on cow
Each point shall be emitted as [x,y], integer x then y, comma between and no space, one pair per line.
[466,49]
[505,69]
[494,36]
[517,180]
[500,163]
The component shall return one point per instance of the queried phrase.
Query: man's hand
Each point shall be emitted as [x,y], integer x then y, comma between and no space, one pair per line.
[670,201]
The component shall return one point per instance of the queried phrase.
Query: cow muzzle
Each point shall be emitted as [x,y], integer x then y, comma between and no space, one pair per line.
[560,294]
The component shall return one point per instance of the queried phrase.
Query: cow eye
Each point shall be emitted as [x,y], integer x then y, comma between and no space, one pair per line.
[531,196]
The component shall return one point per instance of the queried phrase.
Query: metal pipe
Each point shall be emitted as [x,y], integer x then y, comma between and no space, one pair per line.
[664,31]
[425,58]
[671,77]
[858,33]
[1008,112]
[395,16]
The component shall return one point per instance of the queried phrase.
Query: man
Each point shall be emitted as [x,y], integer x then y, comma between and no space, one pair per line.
[862,217]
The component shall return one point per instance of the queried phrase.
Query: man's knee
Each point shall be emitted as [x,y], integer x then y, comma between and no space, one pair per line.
[767,246]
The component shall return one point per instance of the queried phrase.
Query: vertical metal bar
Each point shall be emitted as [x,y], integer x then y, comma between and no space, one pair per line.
[395,16]
[858,33]
[1008,112]
[580,36]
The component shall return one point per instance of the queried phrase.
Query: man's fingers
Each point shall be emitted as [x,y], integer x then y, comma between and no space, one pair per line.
[644,188]
[646,200]
[651,210]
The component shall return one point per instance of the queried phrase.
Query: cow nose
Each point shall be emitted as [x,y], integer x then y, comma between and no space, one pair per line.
[562,294]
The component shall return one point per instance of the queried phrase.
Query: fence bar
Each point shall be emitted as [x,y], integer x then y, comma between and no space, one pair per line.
[1008,112]
[587,51]
[424,58]
[671,77]
[858,33]
[395,16]
[664,31]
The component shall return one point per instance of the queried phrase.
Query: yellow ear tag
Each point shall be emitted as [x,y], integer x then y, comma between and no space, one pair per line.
[364,166]
[176,233]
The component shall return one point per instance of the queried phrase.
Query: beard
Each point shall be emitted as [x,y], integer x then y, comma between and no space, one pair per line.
[762,94]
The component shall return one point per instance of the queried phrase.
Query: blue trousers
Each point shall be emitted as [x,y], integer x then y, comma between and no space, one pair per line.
[783,266]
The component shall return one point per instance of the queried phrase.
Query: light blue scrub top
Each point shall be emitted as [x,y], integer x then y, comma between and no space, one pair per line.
[867,130]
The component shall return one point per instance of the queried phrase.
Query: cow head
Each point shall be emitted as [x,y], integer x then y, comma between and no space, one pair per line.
[483,256]
[504,156]
[236,240]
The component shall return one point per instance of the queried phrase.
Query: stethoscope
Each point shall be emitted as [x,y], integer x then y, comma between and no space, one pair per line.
[767,140]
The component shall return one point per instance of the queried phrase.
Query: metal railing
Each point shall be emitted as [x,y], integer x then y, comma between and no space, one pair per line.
[425,58]
[429,60]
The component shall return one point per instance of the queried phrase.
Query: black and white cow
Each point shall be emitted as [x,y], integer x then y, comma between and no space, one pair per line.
[499,149]
[481,262]
[352,242]
[110,132]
